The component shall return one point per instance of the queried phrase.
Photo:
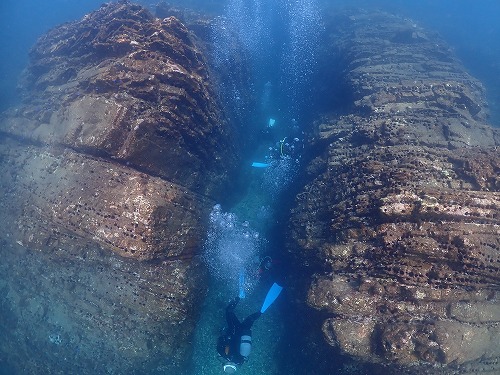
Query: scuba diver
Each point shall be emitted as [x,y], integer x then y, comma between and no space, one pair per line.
[235,345]
[266,269]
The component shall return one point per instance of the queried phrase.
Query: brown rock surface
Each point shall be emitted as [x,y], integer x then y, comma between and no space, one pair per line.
[402,214]
[110,168]
[134,119]
[125,85]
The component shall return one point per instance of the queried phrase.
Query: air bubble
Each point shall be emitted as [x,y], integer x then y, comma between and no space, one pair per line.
[232,247]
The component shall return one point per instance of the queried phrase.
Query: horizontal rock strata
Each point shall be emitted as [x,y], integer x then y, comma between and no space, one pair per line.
[110,168]
[124,85]
[403,212]
[67,195]
[124,101]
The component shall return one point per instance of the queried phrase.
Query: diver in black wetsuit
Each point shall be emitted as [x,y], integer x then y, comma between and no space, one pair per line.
[235,344]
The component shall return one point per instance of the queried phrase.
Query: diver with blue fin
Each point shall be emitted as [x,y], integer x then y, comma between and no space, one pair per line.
[235,345]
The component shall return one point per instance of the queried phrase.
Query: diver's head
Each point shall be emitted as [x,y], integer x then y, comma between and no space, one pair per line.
[230,368]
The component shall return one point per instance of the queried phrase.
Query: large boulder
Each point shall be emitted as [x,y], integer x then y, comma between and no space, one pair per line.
[110,167]
[400,222]
[122,84]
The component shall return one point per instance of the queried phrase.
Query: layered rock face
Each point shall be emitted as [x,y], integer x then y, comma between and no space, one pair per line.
[110,168]
[401,217]
[124,85]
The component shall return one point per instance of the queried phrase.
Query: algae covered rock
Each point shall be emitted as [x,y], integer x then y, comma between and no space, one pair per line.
[125,85]
[110,167]
[401,216]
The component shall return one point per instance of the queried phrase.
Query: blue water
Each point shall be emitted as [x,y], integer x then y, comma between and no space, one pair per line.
[281,39]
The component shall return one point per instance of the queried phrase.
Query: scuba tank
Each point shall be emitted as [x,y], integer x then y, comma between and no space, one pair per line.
[245,345]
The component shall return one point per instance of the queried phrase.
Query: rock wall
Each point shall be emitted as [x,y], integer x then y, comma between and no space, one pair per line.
[110,168]
[400,221]
[127,86]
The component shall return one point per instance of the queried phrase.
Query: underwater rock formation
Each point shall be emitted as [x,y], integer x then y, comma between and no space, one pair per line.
[110,168]
[401,217]
[131,94]
[124,85]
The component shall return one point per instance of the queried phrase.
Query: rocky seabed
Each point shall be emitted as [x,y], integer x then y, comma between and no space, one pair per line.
[121,147]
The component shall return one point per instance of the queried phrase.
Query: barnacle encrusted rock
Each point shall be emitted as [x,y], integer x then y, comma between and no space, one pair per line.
[402,215]
[109,169]
[128,98]
[124,85]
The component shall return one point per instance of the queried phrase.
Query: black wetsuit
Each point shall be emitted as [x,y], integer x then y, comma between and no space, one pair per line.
[228,345]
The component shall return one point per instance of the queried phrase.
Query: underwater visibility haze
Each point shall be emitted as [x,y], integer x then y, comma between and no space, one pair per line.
[168,167]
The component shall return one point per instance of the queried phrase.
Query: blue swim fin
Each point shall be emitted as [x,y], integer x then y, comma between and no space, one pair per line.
[241,285]
[259,165]
[273,293]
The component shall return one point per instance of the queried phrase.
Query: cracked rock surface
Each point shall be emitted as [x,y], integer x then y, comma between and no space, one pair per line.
[110,167]
[401,219]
